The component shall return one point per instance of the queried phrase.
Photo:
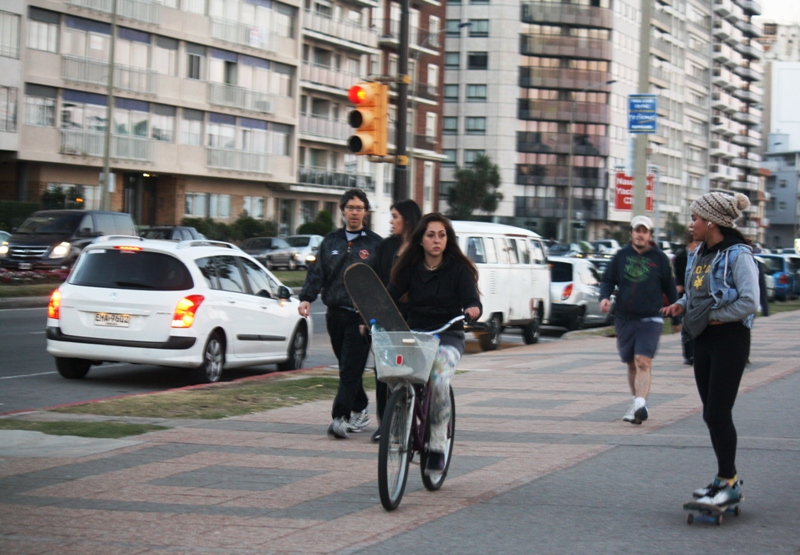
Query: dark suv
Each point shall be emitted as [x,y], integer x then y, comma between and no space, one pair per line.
[55,238]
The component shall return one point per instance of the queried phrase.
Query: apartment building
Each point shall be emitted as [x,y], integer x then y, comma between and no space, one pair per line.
[781,41]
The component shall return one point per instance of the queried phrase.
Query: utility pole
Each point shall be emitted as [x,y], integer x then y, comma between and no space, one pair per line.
[640,160]
[401,157]
[105,194]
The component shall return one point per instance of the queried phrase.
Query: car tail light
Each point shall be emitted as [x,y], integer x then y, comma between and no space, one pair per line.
[185,311]
[784,279]
[54,306]
[566,293]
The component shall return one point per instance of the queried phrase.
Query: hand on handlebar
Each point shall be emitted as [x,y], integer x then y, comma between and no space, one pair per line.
[473,313]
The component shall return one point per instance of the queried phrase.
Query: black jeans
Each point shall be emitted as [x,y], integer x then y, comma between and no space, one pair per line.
[351,350]
[720,355]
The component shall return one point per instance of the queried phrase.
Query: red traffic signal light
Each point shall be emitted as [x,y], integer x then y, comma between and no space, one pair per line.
[370,118]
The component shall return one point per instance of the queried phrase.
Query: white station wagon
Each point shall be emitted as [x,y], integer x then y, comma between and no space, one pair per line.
[197,304]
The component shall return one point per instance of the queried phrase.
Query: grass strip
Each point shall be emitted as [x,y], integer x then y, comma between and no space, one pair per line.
[106,430]
[219,400]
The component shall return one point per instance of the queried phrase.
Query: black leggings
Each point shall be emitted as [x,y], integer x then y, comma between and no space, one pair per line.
[720,355]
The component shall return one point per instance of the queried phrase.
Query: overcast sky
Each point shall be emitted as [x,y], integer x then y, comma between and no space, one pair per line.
[781,11]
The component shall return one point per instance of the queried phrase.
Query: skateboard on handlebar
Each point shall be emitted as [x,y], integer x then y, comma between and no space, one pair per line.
[372,299]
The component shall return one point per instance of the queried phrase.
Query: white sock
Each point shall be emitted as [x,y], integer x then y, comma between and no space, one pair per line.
[639,402]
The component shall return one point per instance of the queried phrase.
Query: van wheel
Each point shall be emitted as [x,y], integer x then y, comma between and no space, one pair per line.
[577,321]
[72,368]
[532,330]
[490,339]
[210,370]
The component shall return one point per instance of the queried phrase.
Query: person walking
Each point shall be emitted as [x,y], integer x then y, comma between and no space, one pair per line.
[405,214]
[441,283]
[719,305]
[337,251]
[679,264]
[642,275]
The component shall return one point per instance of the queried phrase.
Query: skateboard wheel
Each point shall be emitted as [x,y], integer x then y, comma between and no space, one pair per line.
[718,520]
[737,510]
[690,519]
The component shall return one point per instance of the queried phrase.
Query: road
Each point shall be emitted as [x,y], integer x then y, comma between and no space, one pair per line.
[28,379]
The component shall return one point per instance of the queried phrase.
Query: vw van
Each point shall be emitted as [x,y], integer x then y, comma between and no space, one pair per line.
[514,279]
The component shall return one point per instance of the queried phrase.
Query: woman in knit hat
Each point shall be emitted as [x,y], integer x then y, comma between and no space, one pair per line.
[719,303]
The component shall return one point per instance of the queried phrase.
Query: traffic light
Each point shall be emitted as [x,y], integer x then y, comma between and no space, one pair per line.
[370,118]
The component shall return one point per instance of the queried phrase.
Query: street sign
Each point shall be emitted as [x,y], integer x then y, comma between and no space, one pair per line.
[642,117]
[623,191]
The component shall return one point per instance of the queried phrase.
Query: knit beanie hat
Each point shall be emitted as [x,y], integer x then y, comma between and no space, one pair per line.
[721,208]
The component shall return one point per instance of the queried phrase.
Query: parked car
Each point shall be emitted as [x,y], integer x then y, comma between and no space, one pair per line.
[206,306]
[307,247]
[172,233]
[4,235]
[54,238]
[272,252]
[605,246]
[575,293]
[581,249]
[785,250]
[784,270]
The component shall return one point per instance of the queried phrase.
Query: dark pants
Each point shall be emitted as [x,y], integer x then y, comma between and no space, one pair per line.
[381,396]
[351,350]
[688,344]
[720,355]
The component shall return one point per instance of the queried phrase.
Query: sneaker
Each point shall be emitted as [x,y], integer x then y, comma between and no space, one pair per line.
[702,492]
[435,463]
[630,416]
[723,494]
[358,421]
[376,437]
[640,415]
[338,428]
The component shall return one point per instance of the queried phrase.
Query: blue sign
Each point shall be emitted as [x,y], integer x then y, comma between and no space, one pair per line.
[642,117]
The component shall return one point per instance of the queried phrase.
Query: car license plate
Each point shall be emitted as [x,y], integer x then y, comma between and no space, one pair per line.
[25,265]
[113,320]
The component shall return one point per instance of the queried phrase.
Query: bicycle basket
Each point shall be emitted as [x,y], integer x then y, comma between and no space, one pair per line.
[404,355]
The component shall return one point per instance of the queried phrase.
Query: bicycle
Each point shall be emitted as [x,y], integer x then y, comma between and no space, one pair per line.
[404,360]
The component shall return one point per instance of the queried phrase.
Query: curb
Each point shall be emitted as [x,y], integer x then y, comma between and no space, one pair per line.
[24,302]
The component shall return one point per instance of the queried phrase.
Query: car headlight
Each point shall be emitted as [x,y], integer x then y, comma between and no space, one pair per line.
[4,249]
[60,251]
[311,258]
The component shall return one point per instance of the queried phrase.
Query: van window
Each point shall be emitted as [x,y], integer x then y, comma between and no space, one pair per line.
[511,248]
[123,224]
[491,252]
[475,250]
[522,248]
[502,251]
[105,224]
[537,252]
[43,223]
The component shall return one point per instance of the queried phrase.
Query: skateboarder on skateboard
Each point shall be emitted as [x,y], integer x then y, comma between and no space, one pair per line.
[338,250]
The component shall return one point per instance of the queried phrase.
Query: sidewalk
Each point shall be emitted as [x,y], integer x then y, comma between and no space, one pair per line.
[542,464]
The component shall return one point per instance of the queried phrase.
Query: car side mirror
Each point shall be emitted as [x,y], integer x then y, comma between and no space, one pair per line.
[314,249]
[284,292]
[85,232]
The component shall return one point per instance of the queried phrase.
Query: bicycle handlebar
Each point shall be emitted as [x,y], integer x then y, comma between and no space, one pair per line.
[447,325]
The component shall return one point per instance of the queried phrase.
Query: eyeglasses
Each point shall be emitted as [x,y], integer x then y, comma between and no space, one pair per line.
[355,208]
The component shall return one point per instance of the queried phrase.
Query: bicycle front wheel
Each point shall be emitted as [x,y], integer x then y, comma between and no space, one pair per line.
[434,481]
[393,450]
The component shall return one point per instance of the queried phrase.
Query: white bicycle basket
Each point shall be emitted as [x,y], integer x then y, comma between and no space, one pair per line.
[404,355]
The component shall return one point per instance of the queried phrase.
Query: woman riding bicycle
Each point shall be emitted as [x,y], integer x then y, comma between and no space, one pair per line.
[437,282]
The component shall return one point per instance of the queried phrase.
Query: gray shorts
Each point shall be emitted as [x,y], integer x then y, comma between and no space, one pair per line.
[637,337]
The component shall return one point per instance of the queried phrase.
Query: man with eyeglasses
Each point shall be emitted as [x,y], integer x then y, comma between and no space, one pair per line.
[338,250]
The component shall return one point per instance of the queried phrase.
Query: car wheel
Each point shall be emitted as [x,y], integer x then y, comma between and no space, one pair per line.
[297,351]
[490,339]
[577,321]
[210,370]
[292,264]
[532,330]
[72,368]
[270,265]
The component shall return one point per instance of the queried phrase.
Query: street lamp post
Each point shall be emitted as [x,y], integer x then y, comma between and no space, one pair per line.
[571,160]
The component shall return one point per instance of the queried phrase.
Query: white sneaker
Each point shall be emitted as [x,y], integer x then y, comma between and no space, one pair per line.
[722,495]
[338,428]
[630,416]
[640,412]
[358,421]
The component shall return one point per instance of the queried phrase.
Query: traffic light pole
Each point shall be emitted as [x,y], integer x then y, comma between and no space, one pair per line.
[400,191]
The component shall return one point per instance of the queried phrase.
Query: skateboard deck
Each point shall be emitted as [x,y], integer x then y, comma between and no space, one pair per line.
[372,299]
[711,513]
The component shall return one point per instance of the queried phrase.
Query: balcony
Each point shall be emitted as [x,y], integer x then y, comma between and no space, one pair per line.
[748,73]
[720,100]
[743,183]
[752,51]
[238,160]
[745,163]
[339,30]
[565,47]
[723,126]
[539,174]
[95,72]
[724,54]
[548,207]
[750,30]
[232,96]
[660,74]
[723,8]
[746,140]
[560,78]
[660,48]
[324,128]
[750,7]
[326,76]
[423,141]
[566,14]
[417,38]
[722,29]
[722,149]
[559,143]
[746,118]
[92,143]
[245,35]
[144,11]
[722,77]
[339,180]
[563,110]
[748,96]
[721,172]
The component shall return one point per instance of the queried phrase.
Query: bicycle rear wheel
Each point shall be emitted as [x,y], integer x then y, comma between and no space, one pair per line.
[393,450]
[434,481]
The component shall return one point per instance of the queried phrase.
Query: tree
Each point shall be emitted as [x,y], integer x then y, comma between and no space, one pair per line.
[475,189]
[675,229]
[322,225]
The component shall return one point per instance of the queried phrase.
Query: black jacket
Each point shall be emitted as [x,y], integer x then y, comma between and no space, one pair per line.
[334,257]
[643,281]
[385,257]
[438,296]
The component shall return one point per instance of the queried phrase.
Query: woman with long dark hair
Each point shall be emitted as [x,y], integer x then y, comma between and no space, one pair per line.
[720,302]
[405,214]
[437,283]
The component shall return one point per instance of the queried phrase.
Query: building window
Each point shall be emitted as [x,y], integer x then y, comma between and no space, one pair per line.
[449,156]
[476,93]
[478,60]
[451,93]
[430,125]
[471,155]
[782,183]
[451,60]
[162,122]
[444,189]
[221,135]
[449,125]
[164,56]
[195,205]
[479,27]
[478,1]
[194,61]
[8,109]
[281,139]
[40,105]
[427,180]
[782,205]
[433,79]
[192,127]
[254,207]
[219,206]
[476,126]
[453,27]
[43,30]
[9,35]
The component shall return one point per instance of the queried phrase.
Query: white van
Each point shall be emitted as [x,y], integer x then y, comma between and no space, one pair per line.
[514,279]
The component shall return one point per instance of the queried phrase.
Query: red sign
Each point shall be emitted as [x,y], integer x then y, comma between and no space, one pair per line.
[623,192]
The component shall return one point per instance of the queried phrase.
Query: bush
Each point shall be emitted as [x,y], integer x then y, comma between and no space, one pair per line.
[246,227]
[322,225]
[13,213]
[31,277]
